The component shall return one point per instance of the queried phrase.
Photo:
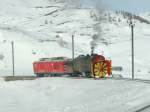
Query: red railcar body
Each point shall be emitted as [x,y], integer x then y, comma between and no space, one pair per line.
[46,67]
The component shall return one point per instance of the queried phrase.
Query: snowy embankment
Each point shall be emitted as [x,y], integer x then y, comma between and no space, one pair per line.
[73,95]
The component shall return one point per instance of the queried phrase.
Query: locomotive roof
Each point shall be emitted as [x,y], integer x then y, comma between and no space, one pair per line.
[54,59]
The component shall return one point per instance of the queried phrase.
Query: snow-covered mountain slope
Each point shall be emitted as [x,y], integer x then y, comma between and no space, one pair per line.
[44,28]
[145,15]
[118,33]
[41,29]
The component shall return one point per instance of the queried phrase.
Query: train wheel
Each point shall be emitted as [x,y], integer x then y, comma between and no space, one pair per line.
[40,75]
[100,69]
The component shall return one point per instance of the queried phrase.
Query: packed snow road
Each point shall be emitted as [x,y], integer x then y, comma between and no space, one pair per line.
[73,95]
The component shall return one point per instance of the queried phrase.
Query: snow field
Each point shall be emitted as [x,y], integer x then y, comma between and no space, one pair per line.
[65,95]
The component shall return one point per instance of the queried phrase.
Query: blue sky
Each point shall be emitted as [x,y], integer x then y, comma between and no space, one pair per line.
[135,6]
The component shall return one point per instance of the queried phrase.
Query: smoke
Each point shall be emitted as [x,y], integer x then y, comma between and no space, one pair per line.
[2,56]
[97,10]
[97,14]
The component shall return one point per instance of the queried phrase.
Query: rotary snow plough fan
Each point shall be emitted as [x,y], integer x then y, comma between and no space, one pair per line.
[101,67]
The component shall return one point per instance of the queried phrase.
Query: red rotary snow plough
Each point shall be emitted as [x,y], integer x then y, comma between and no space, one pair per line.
[84,65]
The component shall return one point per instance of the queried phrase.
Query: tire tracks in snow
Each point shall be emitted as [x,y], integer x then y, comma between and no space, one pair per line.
[144,109]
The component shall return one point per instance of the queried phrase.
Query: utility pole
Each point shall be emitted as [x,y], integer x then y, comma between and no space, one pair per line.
[132,46]
[12,44]
[73,47]
[73,52]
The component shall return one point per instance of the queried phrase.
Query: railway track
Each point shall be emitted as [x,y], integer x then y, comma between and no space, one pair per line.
[129,79]
[14,78]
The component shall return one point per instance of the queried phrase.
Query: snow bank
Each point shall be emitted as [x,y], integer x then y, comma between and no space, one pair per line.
[72,95]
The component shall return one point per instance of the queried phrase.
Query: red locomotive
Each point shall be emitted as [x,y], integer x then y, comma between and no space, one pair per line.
[88,66]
